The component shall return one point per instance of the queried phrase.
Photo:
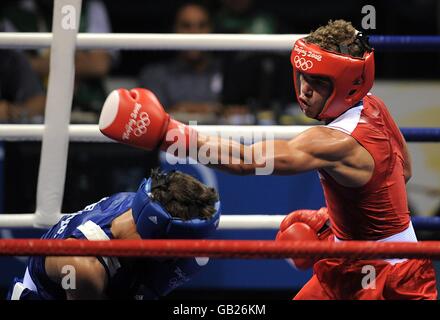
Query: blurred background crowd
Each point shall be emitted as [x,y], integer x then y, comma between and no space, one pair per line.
[227,87]
[238,87]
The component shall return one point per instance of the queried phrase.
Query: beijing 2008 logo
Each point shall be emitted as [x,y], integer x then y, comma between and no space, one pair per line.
[302,63]
[142,124]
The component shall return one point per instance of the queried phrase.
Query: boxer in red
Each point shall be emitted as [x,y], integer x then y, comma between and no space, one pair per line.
[360,154]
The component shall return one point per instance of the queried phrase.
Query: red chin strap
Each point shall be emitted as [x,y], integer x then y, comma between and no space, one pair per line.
[352,77]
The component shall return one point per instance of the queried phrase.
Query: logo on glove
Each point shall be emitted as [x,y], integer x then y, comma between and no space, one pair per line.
[138,127]
[142,124]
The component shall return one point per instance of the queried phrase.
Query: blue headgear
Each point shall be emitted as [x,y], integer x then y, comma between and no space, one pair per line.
[154,222]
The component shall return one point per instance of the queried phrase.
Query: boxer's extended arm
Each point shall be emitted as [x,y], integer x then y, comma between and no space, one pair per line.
[83,278]
[137,118]
[316,148]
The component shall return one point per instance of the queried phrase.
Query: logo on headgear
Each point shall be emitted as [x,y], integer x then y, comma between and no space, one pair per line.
[142,124]
[302,63]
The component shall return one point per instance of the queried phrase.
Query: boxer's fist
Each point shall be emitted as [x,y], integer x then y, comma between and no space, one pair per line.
[315,219]
[304,225]
[298,231]
[137,118]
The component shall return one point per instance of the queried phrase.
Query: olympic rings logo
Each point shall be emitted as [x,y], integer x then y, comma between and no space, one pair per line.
[302,63]
[142,124]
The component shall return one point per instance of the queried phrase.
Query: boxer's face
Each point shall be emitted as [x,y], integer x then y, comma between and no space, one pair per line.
[313,93]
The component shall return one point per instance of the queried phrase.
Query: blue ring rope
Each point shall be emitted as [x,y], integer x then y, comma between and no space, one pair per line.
[405,42]
[426,223]
[421,134]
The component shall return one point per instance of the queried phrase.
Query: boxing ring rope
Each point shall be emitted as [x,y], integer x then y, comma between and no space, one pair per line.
[227,221]
[421,134]
[218,42]
[91,133]
[244,249]
[57,132]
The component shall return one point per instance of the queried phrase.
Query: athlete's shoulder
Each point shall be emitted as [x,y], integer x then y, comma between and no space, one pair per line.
[101,213]
[115,201]
[324,142]
[324,134]
[371,98]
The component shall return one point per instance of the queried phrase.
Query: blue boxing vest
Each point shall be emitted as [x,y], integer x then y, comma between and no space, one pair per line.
[125,275]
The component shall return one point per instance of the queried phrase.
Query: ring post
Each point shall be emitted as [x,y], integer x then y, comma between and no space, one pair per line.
[53,161]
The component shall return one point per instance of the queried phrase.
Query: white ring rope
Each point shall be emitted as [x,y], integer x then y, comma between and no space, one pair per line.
[91,133]
[227,222]
[157,41]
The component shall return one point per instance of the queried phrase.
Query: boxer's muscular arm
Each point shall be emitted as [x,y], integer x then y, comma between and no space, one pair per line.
[316,148]
[287,157]
[84,277]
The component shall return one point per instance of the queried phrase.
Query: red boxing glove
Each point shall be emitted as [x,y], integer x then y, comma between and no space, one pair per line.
[316,219]
[137,118]
[305,225]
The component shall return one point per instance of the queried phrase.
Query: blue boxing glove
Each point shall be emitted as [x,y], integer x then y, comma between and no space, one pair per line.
[166,275]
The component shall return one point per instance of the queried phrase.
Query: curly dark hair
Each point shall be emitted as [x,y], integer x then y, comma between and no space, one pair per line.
[182,195]
[338,36]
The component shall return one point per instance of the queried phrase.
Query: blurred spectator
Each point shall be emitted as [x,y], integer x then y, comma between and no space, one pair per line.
[90,174]
[241,16]
[190,85]
[92,66]
[257,84]
[22,98]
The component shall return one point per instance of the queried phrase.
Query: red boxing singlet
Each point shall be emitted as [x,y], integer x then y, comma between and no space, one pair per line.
[378,209]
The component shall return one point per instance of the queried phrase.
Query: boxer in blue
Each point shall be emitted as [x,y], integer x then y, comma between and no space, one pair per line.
[170,205]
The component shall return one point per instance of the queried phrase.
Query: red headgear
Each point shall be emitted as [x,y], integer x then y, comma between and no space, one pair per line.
[351,77]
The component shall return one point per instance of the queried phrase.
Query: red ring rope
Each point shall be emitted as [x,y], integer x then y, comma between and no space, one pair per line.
[246,249]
